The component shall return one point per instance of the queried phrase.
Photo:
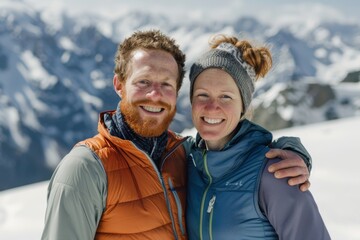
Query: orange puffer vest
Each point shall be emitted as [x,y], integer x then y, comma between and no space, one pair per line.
[142,201]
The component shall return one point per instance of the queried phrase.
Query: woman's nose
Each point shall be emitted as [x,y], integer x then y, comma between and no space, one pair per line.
[212,104]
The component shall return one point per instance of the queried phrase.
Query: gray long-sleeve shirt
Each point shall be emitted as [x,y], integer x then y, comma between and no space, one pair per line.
[77,193]
[277,200]
[76,197]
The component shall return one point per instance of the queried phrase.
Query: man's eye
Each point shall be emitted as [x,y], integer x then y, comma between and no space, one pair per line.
[202,95]
[143,83]
[166,84]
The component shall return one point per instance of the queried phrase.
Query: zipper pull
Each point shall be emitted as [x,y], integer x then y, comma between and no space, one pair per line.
[211,204]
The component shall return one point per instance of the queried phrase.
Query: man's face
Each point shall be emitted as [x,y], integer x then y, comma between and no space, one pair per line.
[149,93]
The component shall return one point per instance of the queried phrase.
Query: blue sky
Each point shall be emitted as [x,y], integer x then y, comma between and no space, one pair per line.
[206,8]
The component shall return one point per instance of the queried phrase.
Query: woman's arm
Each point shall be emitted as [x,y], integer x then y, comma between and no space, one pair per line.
[296,161]
[293,214]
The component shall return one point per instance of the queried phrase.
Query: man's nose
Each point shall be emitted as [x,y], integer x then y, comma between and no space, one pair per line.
[155,93]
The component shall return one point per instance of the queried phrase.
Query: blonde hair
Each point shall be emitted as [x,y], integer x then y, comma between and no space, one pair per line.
[257,57]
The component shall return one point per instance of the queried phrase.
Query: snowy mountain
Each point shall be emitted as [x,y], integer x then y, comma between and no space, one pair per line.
[56,75]
[52,86]
[334,183]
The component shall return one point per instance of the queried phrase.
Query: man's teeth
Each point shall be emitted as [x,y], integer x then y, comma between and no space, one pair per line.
[212,120]
[152,109]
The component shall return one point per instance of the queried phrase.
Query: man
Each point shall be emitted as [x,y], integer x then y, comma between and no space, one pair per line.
[129,181]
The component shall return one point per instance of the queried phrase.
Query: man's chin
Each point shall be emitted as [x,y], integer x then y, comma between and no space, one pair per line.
[146,126]
[150,129]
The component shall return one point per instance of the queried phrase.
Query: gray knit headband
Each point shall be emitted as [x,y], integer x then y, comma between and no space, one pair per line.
[228,58]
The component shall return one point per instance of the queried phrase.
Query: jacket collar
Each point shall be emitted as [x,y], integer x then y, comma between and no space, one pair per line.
[249,137]
[173,139]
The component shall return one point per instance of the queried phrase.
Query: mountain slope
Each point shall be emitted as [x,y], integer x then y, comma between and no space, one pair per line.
[56,76]
[334,184]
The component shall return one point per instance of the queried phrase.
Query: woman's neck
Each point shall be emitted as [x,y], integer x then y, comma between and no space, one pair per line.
[218,145]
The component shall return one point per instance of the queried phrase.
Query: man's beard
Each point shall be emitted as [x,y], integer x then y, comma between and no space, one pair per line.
[149,127]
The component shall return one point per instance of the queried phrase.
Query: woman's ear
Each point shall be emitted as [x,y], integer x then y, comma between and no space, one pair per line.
[117,85]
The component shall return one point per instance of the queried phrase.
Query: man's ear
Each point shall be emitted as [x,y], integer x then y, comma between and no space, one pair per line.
[117,85]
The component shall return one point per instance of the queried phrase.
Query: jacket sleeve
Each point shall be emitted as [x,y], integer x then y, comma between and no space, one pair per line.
[293,214]
[76,197]
[293,144]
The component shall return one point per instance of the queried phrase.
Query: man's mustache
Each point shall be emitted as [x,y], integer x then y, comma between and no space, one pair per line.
[160,104]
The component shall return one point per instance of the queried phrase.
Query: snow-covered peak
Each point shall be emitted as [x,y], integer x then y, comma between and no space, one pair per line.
[56,71]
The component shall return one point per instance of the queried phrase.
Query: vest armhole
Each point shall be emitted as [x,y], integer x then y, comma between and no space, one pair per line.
[98,160]
[257,185]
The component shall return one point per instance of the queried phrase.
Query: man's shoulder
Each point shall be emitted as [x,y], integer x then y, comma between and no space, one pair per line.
[180,136]
[186,141]
[94,143]
[79,163]
[175,135]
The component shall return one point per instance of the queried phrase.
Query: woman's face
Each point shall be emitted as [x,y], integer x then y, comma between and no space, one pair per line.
[216,107]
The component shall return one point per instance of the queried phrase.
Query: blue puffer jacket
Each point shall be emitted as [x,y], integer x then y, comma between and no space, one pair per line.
[223,188]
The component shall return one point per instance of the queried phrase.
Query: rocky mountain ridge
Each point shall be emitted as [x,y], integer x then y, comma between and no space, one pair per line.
[56,78]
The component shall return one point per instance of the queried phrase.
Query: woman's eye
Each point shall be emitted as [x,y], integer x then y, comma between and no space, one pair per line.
[226,98]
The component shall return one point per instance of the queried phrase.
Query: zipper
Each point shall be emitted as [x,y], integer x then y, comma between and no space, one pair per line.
[210,210]
[162,182]
[204,196]
[178,205]
[172,150]
[211,204]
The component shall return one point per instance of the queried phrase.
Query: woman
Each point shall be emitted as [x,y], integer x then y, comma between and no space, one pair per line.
[231,195]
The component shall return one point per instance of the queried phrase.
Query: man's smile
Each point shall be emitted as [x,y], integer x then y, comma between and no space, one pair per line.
[152,109]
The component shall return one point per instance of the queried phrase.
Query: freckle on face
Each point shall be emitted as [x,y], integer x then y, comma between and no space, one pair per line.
[147,64]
